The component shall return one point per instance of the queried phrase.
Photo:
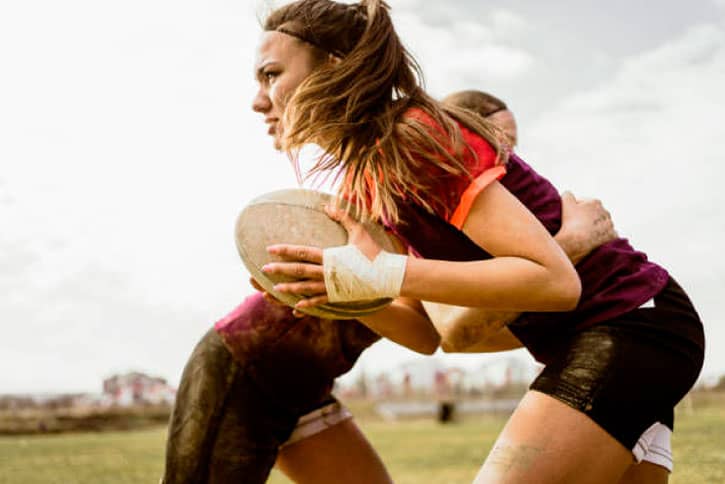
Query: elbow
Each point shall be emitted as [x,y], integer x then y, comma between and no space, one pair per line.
[569,293]
[431,345]
[450,340]
[450,347]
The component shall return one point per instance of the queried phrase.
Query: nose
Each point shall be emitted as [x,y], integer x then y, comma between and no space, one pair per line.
[261,102]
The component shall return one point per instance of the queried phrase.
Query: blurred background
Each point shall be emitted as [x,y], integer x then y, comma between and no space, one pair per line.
[128,147]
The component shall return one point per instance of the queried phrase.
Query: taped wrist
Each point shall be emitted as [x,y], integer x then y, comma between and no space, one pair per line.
[350,276]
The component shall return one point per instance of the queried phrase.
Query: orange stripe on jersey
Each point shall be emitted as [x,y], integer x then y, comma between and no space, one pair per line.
[474,189]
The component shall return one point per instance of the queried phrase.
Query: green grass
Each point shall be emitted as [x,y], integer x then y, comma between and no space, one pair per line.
[132,457]
[418,451]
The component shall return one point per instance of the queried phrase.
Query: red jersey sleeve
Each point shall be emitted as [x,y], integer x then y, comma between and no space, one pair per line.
[480,161]
[483,169]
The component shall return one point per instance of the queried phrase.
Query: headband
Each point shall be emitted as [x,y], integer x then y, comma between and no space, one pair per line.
[309,40]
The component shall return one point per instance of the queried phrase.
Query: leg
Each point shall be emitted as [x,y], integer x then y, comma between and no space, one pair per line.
[220,430]
[645,473]
[547,441]
[245,386]
[249,434]
[340,453]
[653,453]
[203,391]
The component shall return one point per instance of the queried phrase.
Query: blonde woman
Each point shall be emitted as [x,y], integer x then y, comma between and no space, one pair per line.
[338,76]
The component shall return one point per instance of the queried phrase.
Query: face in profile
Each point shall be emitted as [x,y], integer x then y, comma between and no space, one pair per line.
[282,63]
[505,121]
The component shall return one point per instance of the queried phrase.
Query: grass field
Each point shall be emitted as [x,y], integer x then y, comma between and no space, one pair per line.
[419,451]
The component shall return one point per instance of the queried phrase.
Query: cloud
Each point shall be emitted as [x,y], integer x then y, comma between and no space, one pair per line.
[648,142]
[128,149]
[72,333]
[454,50]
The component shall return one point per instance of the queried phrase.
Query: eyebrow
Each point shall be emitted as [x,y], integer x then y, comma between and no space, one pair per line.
[258,72]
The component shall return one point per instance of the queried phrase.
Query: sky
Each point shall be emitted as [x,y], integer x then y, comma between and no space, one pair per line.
[128,147]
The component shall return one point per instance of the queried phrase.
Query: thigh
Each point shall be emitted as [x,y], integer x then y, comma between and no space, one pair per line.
[340,453]
[547,441]
[248,435]
[645,473]
[205,385]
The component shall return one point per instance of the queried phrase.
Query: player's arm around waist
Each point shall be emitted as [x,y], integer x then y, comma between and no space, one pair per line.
[501,340]
[405,322]
[471,330]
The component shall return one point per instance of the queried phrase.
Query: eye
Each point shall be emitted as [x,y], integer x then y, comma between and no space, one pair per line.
[270,75]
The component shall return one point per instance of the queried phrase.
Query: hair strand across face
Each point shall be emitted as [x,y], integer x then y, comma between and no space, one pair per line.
[357,109]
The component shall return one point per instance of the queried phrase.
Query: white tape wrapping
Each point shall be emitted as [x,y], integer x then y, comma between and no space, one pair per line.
[350,276]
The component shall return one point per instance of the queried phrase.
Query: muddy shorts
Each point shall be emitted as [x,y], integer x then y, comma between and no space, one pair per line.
[628,374]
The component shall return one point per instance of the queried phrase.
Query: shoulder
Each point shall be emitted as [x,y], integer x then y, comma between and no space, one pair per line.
[477,154]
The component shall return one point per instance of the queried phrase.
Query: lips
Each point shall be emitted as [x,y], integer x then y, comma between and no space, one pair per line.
[272,126]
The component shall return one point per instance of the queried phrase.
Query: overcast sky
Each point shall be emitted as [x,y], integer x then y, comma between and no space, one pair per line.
[127,148]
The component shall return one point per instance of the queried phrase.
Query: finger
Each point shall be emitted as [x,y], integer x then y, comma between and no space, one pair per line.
[311,302]
[297,270]
[301,288]
[591,201]
[255,284]
[271,299]
[568,197]
[303,253]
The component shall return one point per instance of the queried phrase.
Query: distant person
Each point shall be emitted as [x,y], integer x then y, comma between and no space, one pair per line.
[444,396]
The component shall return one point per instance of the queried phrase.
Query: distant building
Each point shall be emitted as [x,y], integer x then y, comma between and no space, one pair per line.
[136,388]
[433,377]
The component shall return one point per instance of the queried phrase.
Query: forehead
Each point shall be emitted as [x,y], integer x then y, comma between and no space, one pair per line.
[504,117]
[277,47]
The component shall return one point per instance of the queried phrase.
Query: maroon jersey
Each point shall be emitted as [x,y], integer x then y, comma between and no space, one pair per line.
[615,277]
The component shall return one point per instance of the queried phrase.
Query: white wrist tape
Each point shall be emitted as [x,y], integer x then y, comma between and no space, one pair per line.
[350,276]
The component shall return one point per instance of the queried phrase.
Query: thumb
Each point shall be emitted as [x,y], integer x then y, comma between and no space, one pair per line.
[568,197]
[342,217]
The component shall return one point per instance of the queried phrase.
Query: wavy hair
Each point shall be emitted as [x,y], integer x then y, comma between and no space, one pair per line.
[357,109]
[482,103]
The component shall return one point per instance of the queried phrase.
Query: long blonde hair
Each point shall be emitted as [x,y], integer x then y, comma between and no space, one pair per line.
[357,110]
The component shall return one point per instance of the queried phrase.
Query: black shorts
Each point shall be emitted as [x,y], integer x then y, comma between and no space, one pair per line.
[630,372]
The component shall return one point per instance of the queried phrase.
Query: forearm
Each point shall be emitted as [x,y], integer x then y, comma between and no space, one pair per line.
[406,326]
[463,327]
[575,249]
[501,340]
[501,283]
[478,330]
[585,225]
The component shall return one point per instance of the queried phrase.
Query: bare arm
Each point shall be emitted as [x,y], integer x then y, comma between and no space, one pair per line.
[529,271]
[586,225]
[405,323]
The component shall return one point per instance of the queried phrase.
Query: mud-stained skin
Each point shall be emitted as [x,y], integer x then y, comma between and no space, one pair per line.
[513,458]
